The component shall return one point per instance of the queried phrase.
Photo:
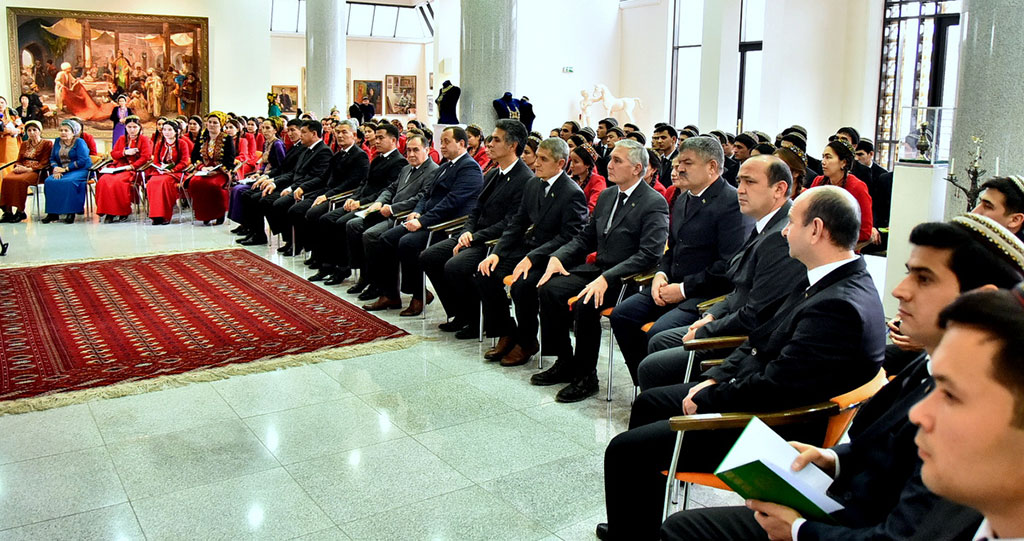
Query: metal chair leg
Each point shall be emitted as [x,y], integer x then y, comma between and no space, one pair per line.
[611,361]
[480,305]
[670,482]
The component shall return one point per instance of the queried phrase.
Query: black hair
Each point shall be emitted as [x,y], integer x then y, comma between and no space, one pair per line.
[851,133]
[637,136]
[667,128]
[617,131]
[778,171]
[843,152]
[578,139]
[388,129]
[584,156]
[654,163]
[314,126]
[608,123]
[840,216]
[973,263]
[515,133]
[1012,194]
[458,134]
[294,122]
[474,130]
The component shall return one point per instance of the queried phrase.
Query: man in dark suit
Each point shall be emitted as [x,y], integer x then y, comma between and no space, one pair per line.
[311,164]
[412,184]
[453,193]
[762,273]
[553,211]
[879,481]
[827,338]
[451,263]
[251,198]
[707,230]
[628,231]
[330,248]
[730,167]
[347,169]
[664,142]
[603,147]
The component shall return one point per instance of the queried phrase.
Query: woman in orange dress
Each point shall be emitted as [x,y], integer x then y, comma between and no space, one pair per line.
[171,156]
[33,156]
[114,190]
[215,158]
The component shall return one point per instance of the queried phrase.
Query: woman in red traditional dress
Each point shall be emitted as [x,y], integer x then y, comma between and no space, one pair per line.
[475,147]
[215,156]
[33,156]
[76,99]
[583,167]
[252,129]
[170,157]
[195,130]
[114,190]
[246,151]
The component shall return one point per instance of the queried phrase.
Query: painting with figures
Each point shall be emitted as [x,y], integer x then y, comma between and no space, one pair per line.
[401,94]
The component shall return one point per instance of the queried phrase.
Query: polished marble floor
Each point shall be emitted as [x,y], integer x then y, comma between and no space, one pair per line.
[425,443]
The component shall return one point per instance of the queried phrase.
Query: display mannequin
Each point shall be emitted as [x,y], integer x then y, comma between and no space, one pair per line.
[526,115]
[507,106]
[446,103]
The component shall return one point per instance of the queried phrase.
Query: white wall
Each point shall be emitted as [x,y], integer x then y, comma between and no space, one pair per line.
[238,56]
[646,59]
[720,65]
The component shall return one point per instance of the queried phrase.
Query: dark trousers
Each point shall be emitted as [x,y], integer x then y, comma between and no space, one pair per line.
[304,217]
[450,276]
[330,246]
[633,313]
[556,320]
[276,212]
[398,248]
[498,321]
[354,230]
[253,210]
[713,524]
[666,367]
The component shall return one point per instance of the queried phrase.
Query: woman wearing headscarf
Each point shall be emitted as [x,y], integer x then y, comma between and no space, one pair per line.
[215,158]
[69,162]
[583,169]
[33,156]
[171,156]
[114,190]
[836,161]
[118,116]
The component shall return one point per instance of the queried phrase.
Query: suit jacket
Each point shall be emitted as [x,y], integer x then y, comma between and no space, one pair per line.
[632,245]
[542,223]
[706,233]
[453,192]
[309,166]
[383,171]
[291,157]
[346,171]
[410,186]
[822,342]
[761,274]
[498,203]
[729,170]
[881,198]
[665,171]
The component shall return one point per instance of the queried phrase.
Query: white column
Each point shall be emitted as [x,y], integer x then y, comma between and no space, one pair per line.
[326,56]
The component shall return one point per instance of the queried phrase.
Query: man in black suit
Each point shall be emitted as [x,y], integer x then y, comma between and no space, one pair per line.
[730,167]
[664,142]
[451,263]
[347,169]
[553,211]
[330,247]
[879,481]
[251,198]
[412,184]
[628,231]
[762,273]
[707,230]
[453,193]
[310,165]
[827,338]
[603,147]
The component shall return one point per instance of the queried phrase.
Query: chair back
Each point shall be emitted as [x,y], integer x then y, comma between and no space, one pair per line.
[848,404]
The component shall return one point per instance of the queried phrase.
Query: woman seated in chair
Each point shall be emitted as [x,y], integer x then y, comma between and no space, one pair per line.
[208,186]
[170,158]
[245,151]
[271,157]
[114,190]
[583,169]
[33,156]
[69,167]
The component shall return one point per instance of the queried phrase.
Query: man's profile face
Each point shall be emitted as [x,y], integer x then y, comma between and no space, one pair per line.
[693,172]
[798,235]
[992,204]
[661,141]
[969,448]
[294,133]
[756,196]
[545,165]
[566,131]
[385,143]
[864,157]
[498,149]
[620,170]
[740,151]
[307,136]
[450,147]
[929,286]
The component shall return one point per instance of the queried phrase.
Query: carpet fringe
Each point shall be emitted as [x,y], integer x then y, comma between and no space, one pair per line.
[48,262]
[56,400]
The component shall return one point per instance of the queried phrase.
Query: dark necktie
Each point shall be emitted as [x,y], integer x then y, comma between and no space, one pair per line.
[615,212]
[692,205]
[753,235]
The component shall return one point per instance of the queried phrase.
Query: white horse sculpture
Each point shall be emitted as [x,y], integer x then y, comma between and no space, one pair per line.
[614,105]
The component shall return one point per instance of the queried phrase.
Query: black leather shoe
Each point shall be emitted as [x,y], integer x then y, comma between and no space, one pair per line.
[467,332]
[69,219]
[253,241]
[452,326]
[559,373]
[371,292]
[318,277]
[358,288]
[286,249]
[108,219]
[338,277]
[580,389]
[313,263]
[240,230]
[122,219]
[50,218]
[602,531]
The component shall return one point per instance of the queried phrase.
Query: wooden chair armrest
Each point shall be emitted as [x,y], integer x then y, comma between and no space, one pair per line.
[715,342]
[708,365]
[450,223]
[644,279]
[719,421]
[400,215]
[703,307]
[341,196]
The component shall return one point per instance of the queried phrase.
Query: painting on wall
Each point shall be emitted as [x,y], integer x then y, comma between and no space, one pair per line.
[371,90]
[77,63]
[401,94]
[287,97]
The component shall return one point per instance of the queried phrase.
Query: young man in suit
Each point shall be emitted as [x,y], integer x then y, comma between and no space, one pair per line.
[827,338]
[451,263]
[879,481]
[762,273]
[453,193]
[553,211]
[707,230]
[628,231]
[664,141]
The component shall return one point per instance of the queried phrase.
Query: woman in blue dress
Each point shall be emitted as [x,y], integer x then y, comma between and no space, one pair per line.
[65,187]
[117,116]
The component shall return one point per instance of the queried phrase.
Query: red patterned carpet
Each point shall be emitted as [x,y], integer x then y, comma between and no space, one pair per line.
[72,332]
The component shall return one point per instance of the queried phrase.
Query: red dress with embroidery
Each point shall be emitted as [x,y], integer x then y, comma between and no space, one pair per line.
[114,190]
[162,188]
[209,192]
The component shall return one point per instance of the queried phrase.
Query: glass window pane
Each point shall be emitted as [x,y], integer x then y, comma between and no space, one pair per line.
[384,21]
[410,24]
[688,86]
[360,16]
[302,16]
[282,15]
[691,22]
[753,20]
[752,91]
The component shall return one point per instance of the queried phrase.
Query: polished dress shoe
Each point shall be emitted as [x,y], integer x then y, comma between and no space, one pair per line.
[313,263]
[108,219]
[285,249]
[559,373]
[371,292]
[338,276]
[359,287]
[580,389]
[240,230]
[219,221]
[319,276]
[504,345]
[383,303]
[159,221]
[50,218]
[468,332]
[69,219]
[602,531]
[520,355]
[415,308]
[452,326]
[253,241]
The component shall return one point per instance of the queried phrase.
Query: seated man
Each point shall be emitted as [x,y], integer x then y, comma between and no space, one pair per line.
[451,263]
[760,273]
[879,480]
[826,339]
[453,193]
[250,199]
[1002,199]
[552,211]
[707,231]
[628,231]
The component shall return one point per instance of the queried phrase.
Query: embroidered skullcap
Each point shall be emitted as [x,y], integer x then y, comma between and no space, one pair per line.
[799,129]
[747,139]
[586,153]
[133,118]
[76,128]
[796,139]
[36,123]
[223,118]
[589,133]
[1018,181]
[995,237]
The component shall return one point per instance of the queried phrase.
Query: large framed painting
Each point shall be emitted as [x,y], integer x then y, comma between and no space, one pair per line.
[287,97]
[371,90]
[78,62]
[401,94]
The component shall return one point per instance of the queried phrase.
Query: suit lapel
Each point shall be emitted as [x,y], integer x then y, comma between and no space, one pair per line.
[627,206]
[549,200]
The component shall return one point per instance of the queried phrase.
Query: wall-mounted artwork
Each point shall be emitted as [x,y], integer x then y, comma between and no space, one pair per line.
[287,97]
[371,90]
[401,94]
[79,62]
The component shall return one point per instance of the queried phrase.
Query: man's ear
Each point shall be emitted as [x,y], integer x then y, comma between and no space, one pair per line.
[1016,219]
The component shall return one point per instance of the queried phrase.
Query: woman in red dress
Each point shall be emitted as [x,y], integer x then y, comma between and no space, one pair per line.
[252,128]
[170,157]
[583,168]
[836,161]
[246,151]
[215,158]
[475,147]
[195,129]
[114,190]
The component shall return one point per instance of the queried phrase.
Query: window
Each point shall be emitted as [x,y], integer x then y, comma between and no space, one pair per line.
[684,83]
[364,19]
[748,110]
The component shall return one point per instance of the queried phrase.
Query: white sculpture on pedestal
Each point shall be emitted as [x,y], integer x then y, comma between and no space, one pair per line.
[585,102]
[613,104]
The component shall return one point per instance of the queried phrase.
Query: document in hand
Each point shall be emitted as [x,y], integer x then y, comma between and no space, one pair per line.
[106,170]
[758,468]
[201,173]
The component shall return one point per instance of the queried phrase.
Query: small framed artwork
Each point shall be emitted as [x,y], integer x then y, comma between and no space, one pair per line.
[371,90]
[401,94]
[287,97]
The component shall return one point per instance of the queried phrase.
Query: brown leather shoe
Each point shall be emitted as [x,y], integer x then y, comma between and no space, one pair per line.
[415,308]
[505,345]
[520,355]
[382,303]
